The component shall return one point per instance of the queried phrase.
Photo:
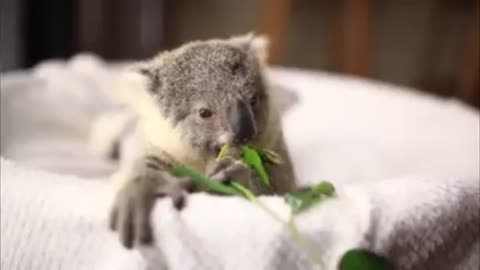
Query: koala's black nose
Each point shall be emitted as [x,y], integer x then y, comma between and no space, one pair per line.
[242,122]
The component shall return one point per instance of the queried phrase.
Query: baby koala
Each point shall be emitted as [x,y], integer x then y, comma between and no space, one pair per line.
[187,103]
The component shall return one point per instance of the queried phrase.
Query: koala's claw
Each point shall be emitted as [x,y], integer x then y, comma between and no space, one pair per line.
[228,169]
[130,214]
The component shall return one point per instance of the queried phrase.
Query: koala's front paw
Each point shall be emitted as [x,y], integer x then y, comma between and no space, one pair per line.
[228,169]
[130,214]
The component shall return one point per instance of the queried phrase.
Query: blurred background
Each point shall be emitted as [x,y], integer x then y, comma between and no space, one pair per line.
[432,45]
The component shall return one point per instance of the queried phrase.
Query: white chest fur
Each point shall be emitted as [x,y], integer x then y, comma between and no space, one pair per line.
[157,133]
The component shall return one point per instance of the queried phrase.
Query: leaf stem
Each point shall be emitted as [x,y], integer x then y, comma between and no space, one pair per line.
[222,152]
[307,247]
[303,243]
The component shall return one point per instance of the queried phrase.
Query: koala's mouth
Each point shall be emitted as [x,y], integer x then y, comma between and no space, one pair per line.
[217,150]
[213,148]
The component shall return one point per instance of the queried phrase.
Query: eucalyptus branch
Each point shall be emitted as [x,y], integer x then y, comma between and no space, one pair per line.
[299,201]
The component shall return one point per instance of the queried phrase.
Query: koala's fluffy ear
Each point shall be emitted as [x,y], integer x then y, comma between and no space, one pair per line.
[135,84]
[147,68]
[257,44]
[150,71]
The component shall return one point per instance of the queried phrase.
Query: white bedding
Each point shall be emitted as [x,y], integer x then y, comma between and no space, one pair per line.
[352,129]
[345,130]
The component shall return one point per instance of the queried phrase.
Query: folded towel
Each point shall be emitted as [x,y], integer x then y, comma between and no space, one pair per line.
[53,221]
[57,221]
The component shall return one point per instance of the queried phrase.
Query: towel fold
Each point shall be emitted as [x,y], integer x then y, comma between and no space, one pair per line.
[51,221]
[429,220]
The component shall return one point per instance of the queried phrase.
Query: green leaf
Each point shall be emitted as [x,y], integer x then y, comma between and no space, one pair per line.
[251,158]
[303,199]
[325,188]
[269,156]
[204,182]
[358,259]
[294,201]
[243,190]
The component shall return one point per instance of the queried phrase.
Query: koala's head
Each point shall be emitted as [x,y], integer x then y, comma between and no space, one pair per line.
[213,91]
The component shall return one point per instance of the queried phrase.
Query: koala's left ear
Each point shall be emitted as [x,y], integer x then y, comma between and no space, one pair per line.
[256,44]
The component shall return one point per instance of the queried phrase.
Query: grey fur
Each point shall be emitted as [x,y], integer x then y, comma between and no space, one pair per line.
[211,75]
[215,75]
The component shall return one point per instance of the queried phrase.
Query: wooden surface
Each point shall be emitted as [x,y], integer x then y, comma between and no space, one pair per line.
[274,21]
[348,36]
[356,37]
[468,80]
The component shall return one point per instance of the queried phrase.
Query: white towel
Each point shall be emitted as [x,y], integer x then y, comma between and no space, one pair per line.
[57,221]
[53,221]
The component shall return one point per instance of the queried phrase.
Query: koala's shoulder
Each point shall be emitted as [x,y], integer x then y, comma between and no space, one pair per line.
[130,88]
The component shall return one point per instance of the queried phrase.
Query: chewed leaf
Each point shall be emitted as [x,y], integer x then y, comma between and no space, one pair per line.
[325,188]
[252,158]
[204,182]
[269,156]
[303,199]
[357,259]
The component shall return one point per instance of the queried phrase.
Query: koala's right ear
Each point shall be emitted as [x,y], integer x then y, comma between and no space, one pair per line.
[146,68]
[135,84]
[151,72]
[146,71]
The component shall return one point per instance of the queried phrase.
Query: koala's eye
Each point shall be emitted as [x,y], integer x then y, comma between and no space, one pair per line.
[205,113]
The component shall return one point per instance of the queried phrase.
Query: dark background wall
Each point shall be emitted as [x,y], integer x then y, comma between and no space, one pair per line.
[430,44]
[11,35]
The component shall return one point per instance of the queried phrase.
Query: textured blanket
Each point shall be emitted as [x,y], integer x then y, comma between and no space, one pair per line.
[53,221]
[56,220]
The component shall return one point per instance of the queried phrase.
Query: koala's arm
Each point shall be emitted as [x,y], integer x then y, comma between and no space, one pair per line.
[149,178]
[108,131]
